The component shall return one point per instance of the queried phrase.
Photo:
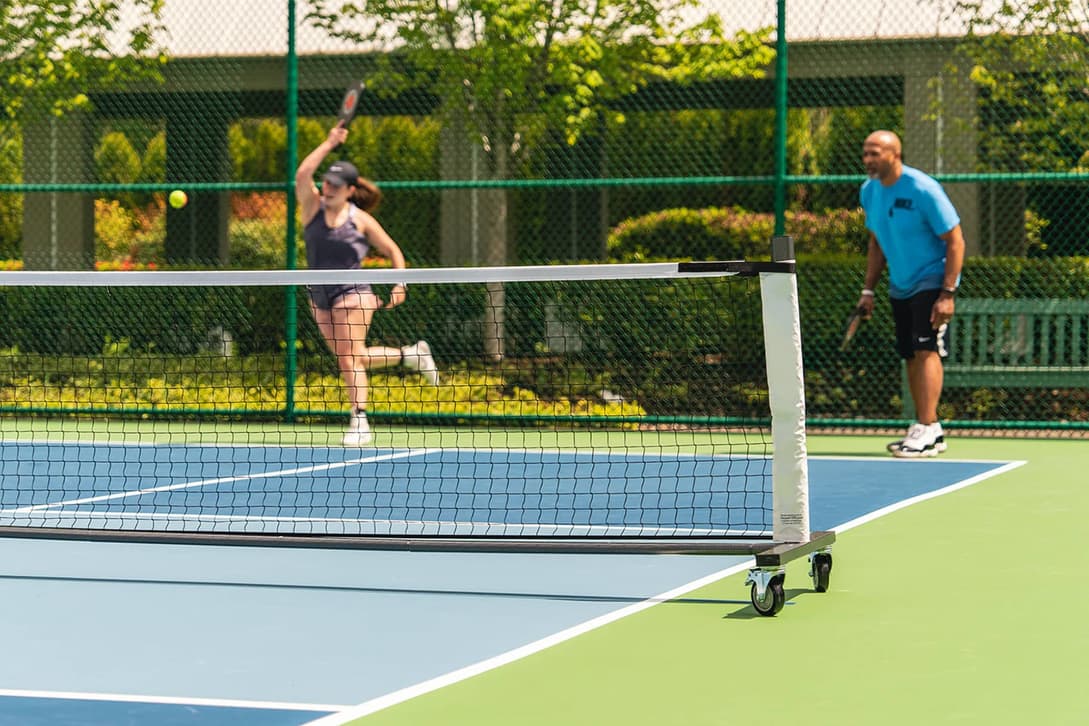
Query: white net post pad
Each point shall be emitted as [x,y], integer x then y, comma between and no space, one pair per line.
[783,347]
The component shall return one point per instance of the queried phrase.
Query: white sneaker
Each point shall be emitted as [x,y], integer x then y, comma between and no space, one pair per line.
[921,440]
[359,431]
[418,358]
[939,439]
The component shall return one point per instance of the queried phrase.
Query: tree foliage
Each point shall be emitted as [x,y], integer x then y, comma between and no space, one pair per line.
[509,67]
[1029,59]
[55,52]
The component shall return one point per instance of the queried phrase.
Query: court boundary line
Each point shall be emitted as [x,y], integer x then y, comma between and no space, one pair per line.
[170,700]
[404,694]
[903,461]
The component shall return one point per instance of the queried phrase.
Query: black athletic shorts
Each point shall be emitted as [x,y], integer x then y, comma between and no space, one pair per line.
[325,296]
[913,329]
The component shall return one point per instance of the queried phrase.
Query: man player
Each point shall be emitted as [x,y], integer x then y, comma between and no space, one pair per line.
[915,232]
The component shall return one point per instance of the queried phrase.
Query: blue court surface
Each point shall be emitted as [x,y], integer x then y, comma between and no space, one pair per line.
[129,633]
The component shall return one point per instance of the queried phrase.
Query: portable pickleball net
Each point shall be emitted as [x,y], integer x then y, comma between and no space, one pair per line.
[585,408]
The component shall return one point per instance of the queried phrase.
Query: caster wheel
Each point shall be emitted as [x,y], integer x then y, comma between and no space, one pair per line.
[821,571]
[774,597]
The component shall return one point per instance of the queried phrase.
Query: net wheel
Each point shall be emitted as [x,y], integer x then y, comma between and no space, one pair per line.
[774,597]
[822,571]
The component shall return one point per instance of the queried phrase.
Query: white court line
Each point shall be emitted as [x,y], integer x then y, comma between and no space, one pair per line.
[895,461]
[391,699]
[218,480]
[127,698]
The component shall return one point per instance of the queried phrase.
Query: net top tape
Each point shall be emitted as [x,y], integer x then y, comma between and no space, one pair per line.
[528,273]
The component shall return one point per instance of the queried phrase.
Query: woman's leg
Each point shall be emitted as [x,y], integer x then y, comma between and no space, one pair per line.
[345,330]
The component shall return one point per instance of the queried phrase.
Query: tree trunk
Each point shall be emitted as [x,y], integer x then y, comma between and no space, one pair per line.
[494,221]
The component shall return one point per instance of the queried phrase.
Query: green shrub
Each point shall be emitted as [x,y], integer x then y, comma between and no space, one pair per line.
[153,163]
[727,233]
[675,347]
[257,150]
[117,161]
[11,204]
[258,244]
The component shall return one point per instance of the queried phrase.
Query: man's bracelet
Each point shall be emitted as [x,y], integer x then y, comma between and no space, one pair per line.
[949,290]
[867,292]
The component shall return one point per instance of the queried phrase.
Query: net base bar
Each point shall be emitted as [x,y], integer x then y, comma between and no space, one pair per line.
[768,552]
[779,554]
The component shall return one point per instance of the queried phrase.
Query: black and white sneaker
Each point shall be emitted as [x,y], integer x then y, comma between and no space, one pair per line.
[893,446]
[922,440]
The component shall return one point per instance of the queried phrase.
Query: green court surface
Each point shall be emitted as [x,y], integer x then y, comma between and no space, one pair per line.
[969,608]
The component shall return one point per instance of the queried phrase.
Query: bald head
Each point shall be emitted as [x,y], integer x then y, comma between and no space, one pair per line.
[881,154]
[885,139]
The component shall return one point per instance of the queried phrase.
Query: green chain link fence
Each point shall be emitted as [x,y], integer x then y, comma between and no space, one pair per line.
[654,130]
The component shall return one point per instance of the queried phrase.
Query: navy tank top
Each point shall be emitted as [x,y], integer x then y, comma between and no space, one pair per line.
[334,248]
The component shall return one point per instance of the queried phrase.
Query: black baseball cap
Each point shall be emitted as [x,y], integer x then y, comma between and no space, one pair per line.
[342,173]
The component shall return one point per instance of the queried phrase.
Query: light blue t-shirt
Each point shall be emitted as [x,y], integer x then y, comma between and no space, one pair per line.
[907,219]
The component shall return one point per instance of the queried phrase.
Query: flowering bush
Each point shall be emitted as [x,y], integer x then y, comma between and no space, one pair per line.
[124,265]
[127,235]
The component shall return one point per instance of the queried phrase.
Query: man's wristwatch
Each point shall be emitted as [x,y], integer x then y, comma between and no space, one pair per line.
[949,290]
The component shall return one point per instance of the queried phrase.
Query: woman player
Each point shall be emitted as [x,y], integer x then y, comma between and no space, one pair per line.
[339,229]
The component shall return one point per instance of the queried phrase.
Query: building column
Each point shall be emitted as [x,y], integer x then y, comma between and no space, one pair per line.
[197,151]
[940,135]
[58,227]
